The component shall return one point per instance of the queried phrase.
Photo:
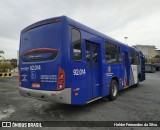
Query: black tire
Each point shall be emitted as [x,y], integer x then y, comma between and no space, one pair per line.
[137,84]
[113,90]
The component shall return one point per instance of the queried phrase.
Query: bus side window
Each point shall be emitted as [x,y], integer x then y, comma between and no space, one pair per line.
[112,53]
[134,57]
[119,55]
[76,44]
[95,54]
[88,52]
[137,58]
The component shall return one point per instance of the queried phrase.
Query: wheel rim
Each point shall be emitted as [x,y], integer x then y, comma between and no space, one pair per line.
[114,90]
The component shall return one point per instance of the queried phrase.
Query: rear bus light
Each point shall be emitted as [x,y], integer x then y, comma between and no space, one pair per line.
[36,85]
[61,79]
[60,86]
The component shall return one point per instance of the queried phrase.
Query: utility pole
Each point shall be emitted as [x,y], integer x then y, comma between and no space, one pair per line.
[126,40]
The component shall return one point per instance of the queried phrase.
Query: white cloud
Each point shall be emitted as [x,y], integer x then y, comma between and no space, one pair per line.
[138,19]
[144,30]
[10,47]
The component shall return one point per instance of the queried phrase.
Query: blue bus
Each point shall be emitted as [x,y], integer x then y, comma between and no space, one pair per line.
[64,61]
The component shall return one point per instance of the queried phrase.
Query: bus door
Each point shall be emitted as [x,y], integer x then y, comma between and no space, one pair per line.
[126,69]
[92,69]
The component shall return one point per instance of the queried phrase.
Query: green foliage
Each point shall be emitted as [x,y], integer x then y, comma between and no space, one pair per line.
[1,52]
[14,62]
[4,66]
[146,60]
[157,56]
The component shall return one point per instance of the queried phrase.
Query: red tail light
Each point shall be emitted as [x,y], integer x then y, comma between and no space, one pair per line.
[61,79]
[19,77]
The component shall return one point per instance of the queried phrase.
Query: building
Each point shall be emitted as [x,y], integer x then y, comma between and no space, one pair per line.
[148,50]
[158,52]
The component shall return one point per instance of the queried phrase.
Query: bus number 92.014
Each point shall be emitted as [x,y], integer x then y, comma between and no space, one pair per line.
[79,71]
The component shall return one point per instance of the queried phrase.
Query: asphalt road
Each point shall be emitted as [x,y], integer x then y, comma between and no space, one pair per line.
[132,104]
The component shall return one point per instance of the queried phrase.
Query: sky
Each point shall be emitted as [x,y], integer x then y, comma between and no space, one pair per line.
[139,20]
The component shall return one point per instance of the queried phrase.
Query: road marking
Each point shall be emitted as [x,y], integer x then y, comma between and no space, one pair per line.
[7,112]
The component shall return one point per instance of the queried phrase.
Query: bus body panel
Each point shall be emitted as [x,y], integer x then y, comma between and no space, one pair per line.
[84,80]
[37,42]
[66,51]
[86,86]
[134,74]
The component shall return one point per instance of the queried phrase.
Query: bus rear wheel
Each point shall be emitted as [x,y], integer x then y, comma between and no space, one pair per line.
[137,84]
[113,90]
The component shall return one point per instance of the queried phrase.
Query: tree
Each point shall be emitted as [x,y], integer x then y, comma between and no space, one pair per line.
[157,56]
[4,66]
[154,60]
[13,62]
[146,60]
[1,51]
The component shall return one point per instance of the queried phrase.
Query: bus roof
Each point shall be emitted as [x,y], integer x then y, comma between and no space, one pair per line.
[77,25]
[94,32]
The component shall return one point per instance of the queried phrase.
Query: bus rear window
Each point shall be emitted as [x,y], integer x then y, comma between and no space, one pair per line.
[40,54]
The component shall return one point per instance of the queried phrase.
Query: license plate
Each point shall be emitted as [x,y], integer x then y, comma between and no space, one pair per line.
[36,85]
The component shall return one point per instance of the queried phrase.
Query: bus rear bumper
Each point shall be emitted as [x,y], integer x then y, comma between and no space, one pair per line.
[63,96]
